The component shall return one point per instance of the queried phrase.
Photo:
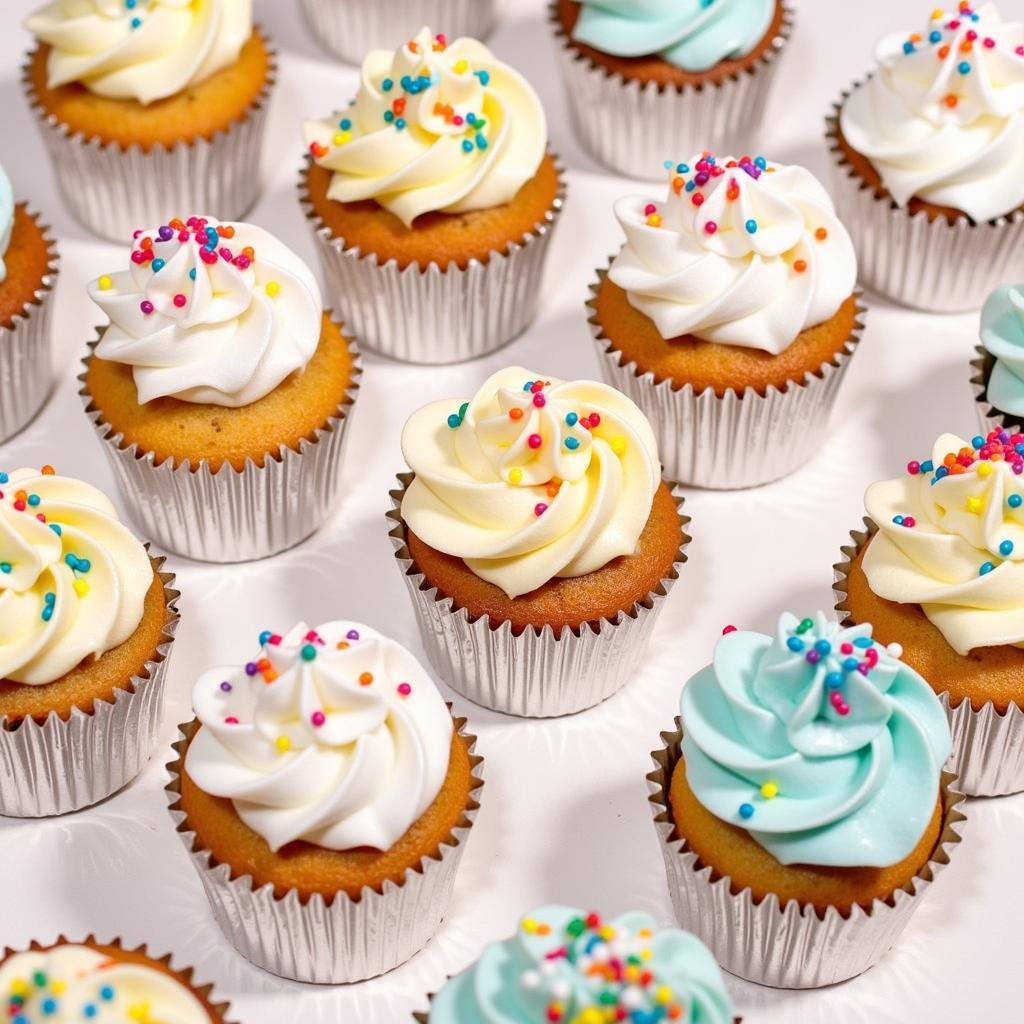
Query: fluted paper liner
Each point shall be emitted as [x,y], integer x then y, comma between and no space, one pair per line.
[63,765]
[632,127]
[231,515]
[989,416]
[988,744]
[26,351]
[329,941]
[733,440]
[933,265]
[426,314]
[790,946]
[536,674]
[184,975]
[352,28]
[114,190]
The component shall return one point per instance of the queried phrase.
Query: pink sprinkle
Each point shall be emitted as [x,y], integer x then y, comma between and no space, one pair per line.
[180,300]
[207,257]
[728,629]
[138,256]
[404,689]
[535,440]
[146,306]
[1019,51]
[183,236]
[710,227]
[136,233]
[275,640]
[539,400]
[954,24]
[231,720]
[540,508]
[649,209]
[457,119]
[847,648]
[909,521]
[242,262]
[697,198]
[864,668]
[843,709]
[313,637]
[318,718]
[225,253]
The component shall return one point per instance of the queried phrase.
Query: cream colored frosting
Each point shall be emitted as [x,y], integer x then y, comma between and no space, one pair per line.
[145,50]
[745,253]
[73,580]
[961,555]
[71,983]
[197,319]
[336,736]
[435,127]
[518,486]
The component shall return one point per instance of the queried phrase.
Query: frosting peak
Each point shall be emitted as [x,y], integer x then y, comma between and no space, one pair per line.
[818,741]
[742,252]
[1002,334]
[211,313]
[531,479]
[436,126]
[334,735]
[6,220]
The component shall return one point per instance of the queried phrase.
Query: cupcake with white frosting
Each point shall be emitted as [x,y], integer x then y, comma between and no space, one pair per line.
[221,389]
[729,316]
[432,198]
[324,793]
[929,153]
[88,619]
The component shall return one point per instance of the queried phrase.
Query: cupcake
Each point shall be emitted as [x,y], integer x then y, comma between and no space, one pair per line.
[998,379]
[801,801]
[929,161]
[689,71]
[221,389]
[102,982]
[28,268]
[150,108]
[432,200]
[564,964]
[325,795]
[537,540]
[939,569]
[88,620]
[729,316]
[351,28]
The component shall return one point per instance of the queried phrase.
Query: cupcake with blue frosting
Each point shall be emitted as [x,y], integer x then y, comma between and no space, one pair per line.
[999,369]
[803,803]
[697,72]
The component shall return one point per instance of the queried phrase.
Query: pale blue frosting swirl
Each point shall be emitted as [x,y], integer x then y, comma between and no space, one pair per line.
[693,35]
[6,219]
[818,741]
[567,960]
[1002,333]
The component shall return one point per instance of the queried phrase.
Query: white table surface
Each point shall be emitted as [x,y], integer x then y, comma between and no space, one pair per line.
[565,815]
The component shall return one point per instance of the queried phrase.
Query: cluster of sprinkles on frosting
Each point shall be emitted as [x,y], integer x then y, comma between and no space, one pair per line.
[473,125]
[614,961]
[49,993]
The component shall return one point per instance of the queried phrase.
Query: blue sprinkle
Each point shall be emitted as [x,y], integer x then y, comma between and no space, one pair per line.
[985,568]
[454,421]
[49,1006]
[690,185]
[823,647]
[760,161]
[572,443]
[751,226]
[682,168]
[528,385]
[50,598]
[908,47]
[107,993]
[834,680]
[389,116]
[130,4]
[192,273]
[571,419]
[746,811]
[55,528]
[136,22]
[158,265]
[935,36]
[941,472]
[481,142]
[667,164]
[400,123]
[33,500]
[89,1010]
[47,613]
[471,119]
[795,644]
[1019,448]
[927,466]
[863,642]
[898,520]
[405,80]
[484,77]
[850,665]
[977,441]
[265,637]
[467,146]
[964,68]
[344,124]
[4,478]
[1015,501]
[5,566]
[1006,548]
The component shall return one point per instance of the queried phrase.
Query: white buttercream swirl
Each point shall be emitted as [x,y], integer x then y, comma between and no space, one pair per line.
[73,580]
[6,220]
[521,488]
[336,736]
[80,983]
[962,557]
[435,127]
[142,50]
[743,253]
[200,320]
[942,119]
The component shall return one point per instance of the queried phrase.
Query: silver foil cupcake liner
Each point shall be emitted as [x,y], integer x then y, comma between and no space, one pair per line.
[429,315]
[26,352]
[63,765]
[733,440]
[231,515]
[352,28]
[933,265]
[989,416]
[631,126]
[328,941]
[988,744]
[790,946]
[114,190]
[537,673]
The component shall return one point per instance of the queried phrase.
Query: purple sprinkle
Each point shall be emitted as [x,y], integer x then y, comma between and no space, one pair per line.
[251,668]
[863,668]
[226,687]
[702,178]
[166,233]
[813,656]
[353,634]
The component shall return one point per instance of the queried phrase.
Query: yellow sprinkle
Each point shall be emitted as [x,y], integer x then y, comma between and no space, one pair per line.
[58,988]
[632,972]
[591,1015]
[529,925]
[340,138]
[770,790]
[645,933]
[81,588]
[19,987]
[273,288]
[663,994]
[283,744]
[654,220]
[139,1012]
[515,476]
[984,469]
[646,954]
[461,67]
[975,504]
[618,445]
[937,13]
[105,283]
[607,932]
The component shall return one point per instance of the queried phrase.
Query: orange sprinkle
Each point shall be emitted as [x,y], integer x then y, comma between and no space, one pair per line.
[677,184]
[800,266]
[950,101]
[552,490]
[343,645]
[956,469]
[48,470]
[269,677]
[226,231]
[966,46]
[365,679]
[146,243]
[733,192]
[543,929]
[263,664]
[943,51]
[21,495]
[515,413]
[413,45]
[249,251]
[821,234]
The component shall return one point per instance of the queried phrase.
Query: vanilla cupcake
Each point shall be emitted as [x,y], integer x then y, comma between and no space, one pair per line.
[998,371]
[221,389]
[432,198]
[929,158]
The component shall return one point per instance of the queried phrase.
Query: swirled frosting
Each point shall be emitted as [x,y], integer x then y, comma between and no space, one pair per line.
[568,965]
[951,539]
[1002,334]
[145,50]
[435,127]
[741,252]
[690,34]
[207,312]
[73,580]
[74,983]
[818,741]
[942,119]
[334,735]
[6,220]
[531,478]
